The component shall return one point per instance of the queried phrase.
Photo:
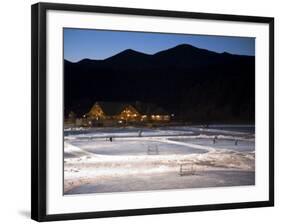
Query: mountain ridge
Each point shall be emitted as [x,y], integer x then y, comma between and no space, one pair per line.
[194,83]
[159,52]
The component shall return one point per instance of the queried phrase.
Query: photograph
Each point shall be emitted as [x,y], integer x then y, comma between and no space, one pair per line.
[148,111]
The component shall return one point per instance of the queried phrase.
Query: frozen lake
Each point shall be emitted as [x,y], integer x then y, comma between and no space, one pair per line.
[227,144]
[96,158]
[129,146]
[165,181]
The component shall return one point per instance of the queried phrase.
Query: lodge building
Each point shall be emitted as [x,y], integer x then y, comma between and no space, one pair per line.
[120,112]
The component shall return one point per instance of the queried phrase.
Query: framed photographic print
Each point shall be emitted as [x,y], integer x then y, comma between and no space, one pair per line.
[139,111]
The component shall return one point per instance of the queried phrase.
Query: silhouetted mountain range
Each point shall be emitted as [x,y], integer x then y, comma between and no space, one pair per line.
[194,84]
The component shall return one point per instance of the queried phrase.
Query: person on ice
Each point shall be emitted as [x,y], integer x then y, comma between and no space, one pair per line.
[215,140]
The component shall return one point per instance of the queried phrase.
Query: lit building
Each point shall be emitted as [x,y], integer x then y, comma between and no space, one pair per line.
[127,112]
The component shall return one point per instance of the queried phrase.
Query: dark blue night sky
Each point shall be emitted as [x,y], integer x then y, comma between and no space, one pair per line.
[98,44]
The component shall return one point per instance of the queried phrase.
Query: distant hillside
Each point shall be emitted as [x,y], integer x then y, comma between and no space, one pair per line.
[194,84]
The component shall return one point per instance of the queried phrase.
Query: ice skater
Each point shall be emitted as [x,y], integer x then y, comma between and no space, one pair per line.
[215,139]
[140,133]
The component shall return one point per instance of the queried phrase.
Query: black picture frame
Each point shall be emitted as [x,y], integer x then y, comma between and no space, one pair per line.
[39,108]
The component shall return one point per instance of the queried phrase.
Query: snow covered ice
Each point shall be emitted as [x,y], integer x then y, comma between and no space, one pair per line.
[99,160]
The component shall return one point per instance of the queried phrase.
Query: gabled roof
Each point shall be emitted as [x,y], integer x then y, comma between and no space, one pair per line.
[115,108]
[112,108]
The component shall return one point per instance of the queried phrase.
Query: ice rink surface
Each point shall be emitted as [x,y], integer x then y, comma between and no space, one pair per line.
[98,160]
